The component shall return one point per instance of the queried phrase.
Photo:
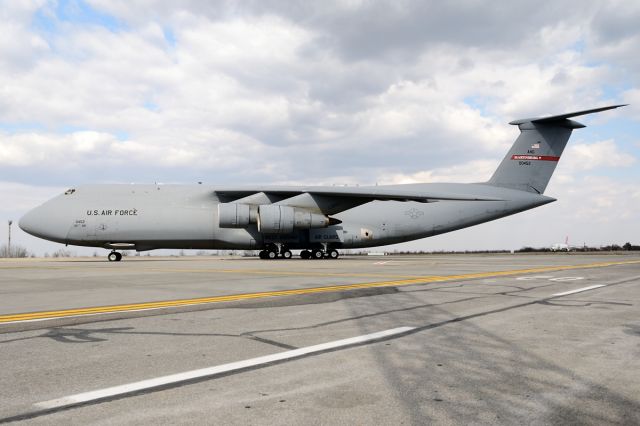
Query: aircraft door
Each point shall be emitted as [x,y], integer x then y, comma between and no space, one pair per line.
[91,227]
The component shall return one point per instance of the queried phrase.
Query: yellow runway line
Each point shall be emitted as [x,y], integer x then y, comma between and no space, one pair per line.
[284,273]
[31,316]
[237,271]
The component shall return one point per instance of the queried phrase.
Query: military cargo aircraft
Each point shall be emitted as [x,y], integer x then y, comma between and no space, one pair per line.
[318,220]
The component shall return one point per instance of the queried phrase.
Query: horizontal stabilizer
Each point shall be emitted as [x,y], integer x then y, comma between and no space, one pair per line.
[562,117]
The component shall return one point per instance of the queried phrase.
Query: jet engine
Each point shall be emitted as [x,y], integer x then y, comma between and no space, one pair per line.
[232,215]
[270,218]
[274,219]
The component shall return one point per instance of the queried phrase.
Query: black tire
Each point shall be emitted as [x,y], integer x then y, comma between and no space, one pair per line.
[305,254]
[118,257]
[271,254]
[113,256]
[287,254]
[263,254]
[333,254]
[317,254]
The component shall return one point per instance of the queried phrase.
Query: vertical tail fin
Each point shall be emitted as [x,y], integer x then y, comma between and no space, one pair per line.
[532,159]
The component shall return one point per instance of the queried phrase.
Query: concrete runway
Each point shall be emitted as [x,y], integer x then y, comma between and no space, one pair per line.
[480,339]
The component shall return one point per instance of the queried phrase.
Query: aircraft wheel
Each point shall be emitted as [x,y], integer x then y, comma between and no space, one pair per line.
[271,254]
[114,256]
[305,254]
[317,254]
[263,254]
[119,257]
[287,254]
[333,254]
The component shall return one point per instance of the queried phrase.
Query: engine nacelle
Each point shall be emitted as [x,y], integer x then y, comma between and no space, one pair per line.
[271,219]
[274,219]
[232,215]
[305,220]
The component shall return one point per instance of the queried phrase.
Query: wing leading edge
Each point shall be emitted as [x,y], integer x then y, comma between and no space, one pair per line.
[332,200]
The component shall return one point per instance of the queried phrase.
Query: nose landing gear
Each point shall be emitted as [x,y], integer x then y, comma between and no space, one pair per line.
[114,256]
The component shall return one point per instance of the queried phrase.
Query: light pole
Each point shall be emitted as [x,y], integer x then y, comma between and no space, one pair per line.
[9,240]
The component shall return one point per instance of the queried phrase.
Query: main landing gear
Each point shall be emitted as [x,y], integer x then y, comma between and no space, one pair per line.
[285,253]
[114,256]
[320,254]
[274,252]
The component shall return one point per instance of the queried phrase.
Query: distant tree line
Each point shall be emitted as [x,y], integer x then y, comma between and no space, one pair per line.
[14,251]
[612,247]
[18,251]
[446,252]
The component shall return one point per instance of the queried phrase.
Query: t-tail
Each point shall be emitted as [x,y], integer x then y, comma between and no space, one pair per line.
[532,159]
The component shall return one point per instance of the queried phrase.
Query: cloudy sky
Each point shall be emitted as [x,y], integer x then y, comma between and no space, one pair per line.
[329,92]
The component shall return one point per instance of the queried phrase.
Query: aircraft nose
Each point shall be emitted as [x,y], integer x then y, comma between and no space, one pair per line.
[38,222]
[32,222]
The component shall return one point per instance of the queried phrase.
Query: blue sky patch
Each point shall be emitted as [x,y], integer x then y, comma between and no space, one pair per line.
[20,127]
[73,11]
[169,36]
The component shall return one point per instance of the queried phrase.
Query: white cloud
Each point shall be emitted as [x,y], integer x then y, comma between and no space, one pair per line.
[19,46]
[472,171]
[595,200]
[221,150]
[632,97]
[595,155]
[32,149]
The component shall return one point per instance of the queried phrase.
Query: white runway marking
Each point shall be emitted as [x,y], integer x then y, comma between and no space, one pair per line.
[533,277]
[579,290]
[213,371]
[560,279]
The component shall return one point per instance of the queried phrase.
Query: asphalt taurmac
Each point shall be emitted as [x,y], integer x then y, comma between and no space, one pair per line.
[413,339]
[135,307]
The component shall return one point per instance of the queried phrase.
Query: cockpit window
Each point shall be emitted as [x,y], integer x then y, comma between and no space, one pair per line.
[69,191]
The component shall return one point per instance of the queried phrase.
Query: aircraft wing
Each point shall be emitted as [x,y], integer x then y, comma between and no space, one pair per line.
[332,200]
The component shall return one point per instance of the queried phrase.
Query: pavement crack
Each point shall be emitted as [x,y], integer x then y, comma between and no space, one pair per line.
[271,342]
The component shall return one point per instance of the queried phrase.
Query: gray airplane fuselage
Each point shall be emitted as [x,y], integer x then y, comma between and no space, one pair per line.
[145,217]
[318,220]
